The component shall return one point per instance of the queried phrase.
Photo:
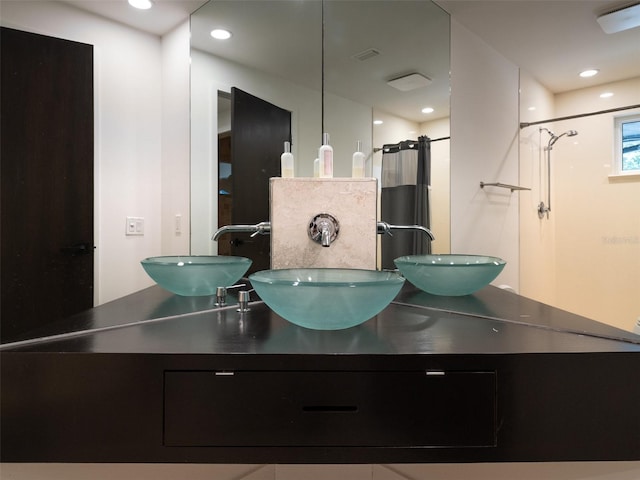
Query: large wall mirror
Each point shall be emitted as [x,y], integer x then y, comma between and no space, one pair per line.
[331,64]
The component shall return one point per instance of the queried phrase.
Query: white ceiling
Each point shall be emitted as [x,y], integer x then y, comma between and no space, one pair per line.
[552,39]
[162,18]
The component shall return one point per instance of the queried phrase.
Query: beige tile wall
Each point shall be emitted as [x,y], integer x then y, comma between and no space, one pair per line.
[295,201]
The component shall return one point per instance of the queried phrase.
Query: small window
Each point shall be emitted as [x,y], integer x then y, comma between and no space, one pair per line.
[627,141]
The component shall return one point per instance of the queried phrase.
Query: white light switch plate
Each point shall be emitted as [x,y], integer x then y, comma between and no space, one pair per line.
[135,226]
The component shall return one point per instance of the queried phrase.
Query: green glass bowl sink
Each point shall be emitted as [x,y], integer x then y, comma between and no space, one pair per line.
[326,298]
[451,274]
[195,275]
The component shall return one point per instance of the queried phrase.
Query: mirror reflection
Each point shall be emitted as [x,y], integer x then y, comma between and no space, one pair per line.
[277,54]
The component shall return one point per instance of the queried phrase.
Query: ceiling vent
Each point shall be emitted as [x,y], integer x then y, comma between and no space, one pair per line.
[366,55]
[409,82]
[622,19]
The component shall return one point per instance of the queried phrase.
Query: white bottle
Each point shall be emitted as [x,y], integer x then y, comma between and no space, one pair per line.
[357,165]
[316,168]
[286,162]
[325,155]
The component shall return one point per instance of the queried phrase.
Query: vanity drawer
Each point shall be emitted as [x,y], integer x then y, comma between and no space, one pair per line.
[249,408]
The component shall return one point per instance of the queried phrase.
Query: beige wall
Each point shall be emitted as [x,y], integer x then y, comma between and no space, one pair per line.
[586,257]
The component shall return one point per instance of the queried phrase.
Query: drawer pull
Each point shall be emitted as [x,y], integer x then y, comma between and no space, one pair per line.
[330,408]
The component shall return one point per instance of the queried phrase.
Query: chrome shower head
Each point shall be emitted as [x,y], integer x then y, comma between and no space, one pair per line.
[554,138]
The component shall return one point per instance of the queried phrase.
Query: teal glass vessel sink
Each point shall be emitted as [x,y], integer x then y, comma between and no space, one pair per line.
[451,274]
[326,298]
[196,275]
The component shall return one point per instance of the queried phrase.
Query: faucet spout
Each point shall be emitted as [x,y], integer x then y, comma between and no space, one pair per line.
[384,227]
[262,228]
[326,236]
[323,229]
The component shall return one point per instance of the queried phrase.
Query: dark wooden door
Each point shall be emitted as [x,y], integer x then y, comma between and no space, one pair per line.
[47,180]
[258,132]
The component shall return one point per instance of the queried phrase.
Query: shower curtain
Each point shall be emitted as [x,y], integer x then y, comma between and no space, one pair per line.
[406,179]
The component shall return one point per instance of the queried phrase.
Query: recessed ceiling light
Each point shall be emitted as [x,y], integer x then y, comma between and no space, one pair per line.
[221,34]
[531,109]
[606,95]
[589,73]
[427,110]
[141,4]
[378,122]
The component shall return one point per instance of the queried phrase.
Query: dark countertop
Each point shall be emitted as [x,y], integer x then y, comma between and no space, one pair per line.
[490,321]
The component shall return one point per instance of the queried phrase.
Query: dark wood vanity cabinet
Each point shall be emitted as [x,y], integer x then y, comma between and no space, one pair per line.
[159,378]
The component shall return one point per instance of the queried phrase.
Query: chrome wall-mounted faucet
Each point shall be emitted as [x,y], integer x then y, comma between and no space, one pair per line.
[385,228]
[324,229]
[262,228]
